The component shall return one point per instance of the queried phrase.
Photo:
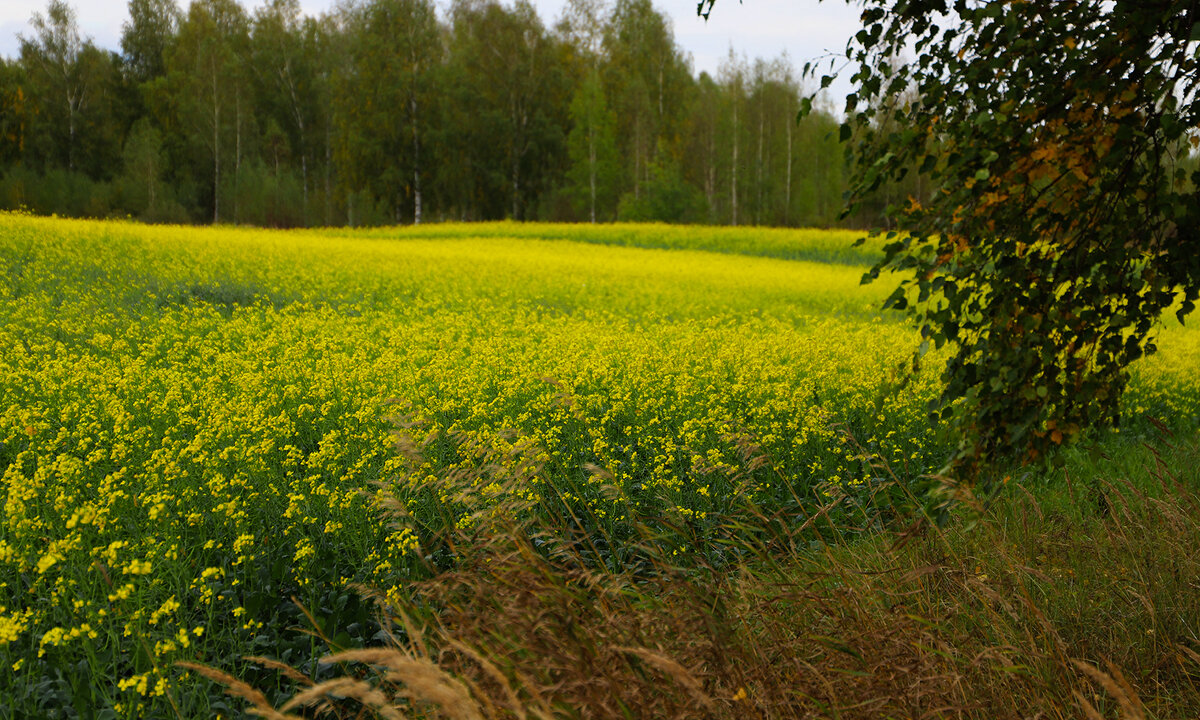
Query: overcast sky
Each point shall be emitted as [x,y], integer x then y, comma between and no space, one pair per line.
[805,29]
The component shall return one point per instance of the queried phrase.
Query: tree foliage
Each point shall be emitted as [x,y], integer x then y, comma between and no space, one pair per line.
[207,86]
[147,35]
[508,68]
[386,98]
[397,111]
[1062,221]
[68,74]
[592,146]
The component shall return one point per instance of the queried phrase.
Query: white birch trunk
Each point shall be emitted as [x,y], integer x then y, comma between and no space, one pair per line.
[416,138]
[592,167]
[787,194]
[733,194]
[216,144]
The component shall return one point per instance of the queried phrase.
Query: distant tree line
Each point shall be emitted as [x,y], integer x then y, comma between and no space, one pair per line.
[381,111]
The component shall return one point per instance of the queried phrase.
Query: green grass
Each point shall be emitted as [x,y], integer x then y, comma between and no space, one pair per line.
[1072,596]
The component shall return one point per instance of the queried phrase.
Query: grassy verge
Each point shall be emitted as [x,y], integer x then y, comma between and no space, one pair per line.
[1072,596]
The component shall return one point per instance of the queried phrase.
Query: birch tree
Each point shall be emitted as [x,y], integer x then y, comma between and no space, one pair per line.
[207,85]
[593,149]
[65,71]
[286,67]
[147,36]
[515,81]
[647,79]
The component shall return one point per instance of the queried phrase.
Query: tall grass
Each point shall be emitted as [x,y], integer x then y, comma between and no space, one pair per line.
[1075,599]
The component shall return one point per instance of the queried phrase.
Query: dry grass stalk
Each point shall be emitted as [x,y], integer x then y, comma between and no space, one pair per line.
[259,704]
[1190,653]
[494,673]
[1118,687]
[1089,710]
[346,688]
[673,670]
[977,619]
[288,671]
[421,680]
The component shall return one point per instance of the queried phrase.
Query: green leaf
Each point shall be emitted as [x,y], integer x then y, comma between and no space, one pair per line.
[1184,310]
[805,108]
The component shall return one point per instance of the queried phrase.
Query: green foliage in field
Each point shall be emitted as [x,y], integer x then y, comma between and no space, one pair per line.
[1073,600]
[1063,220]
[195,426]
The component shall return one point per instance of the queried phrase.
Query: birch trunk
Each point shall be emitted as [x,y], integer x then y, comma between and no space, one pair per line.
[733,194]
[592,167]
[237,154]
[416,140]
[328,175]
[787,194]
[758,210]
[216,144]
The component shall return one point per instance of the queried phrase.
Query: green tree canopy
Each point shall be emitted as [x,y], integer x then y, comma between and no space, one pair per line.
[147,35]
[386,111]
[592,145]
[386,98]
[1062,220]
[67,74]
[647,80]
[511,80]
[207,88]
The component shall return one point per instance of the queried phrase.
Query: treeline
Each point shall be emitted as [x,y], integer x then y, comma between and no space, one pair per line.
[383,112]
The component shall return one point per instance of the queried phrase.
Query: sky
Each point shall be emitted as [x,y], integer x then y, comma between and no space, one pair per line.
[807,30]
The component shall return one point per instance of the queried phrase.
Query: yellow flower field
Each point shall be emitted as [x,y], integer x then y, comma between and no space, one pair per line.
[197,424]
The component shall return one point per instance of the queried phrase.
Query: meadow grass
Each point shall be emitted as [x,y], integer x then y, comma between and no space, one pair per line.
[1071,599]
[207,434]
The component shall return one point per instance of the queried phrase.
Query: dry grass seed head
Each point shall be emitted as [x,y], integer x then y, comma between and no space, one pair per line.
[1115,684]
[422,680]
[350,688]
[288,671]
[673,670]
[237,688]
[489,668]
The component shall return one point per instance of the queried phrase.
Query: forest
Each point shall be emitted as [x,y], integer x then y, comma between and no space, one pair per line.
[393,112]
